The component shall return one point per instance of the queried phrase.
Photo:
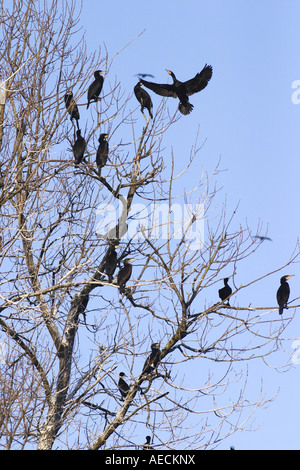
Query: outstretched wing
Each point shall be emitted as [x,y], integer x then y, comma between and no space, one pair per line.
[160,89]
[199,81]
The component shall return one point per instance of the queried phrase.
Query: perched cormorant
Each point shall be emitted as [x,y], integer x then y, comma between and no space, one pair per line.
[79,148]
[226,291]
[143,98]
[111,263]
[147,445]
[123,386]
[283,293]
[153,360]
[72,107]
[124,274]
[95,88]
[182,90]
[102,152]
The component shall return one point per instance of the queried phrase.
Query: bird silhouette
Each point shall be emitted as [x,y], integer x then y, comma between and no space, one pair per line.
[144,99]
[95,88]
[283,293]
[226,291]
[182,90]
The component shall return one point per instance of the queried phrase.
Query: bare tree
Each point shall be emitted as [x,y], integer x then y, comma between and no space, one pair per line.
[67,328]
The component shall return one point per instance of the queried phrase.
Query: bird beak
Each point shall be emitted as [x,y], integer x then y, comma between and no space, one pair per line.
[169,71]
[291,275]
[131,259]
[106,135]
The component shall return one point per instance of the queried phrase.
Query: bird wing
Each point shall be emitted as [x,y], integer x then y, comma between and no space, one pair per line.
[160,89]
[199,81]
[143,75]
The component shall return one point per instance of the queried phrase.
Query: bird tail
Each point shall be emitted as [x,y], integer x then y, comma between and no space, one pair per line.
[186,108]
[280,310]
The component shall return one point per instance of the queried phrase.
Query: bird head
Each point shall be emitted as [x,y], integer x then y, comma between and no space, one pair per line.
[128,260]
[155,346]
[171,73]
[285,278]
[98,72]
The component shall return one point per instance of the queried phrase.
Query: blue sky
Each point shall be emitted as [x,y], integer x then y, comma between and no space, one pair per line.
[247,119]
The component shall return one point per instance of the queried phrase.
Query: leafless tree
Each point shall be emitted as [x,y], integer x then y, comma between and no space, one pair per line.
[66,330]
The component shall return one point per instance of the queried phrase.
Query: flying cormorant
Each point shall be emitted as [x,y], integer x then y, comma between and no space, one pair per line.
[283,293]
[182,90]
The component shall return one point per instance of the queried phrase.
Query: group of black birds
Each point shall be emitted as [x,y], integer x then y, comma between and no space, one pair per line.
[282,295]
[149,367]
[180,90]
[110,265]
[79,146]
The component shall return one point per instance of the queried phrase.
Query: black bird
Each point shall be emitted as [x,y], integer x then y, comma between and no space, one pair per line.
[124,274]
[95,88]
[226,291]
[262,238]
[123,386]
[143,75]
[102,152]
[72,107]
[153,360]
[111,263]
[182,90]
[283,293]
[79,148]
[147,445]
[143,98]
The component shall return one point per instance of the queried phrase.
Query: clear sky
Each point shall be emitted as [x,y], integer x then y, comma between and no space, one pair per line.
[248,118]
